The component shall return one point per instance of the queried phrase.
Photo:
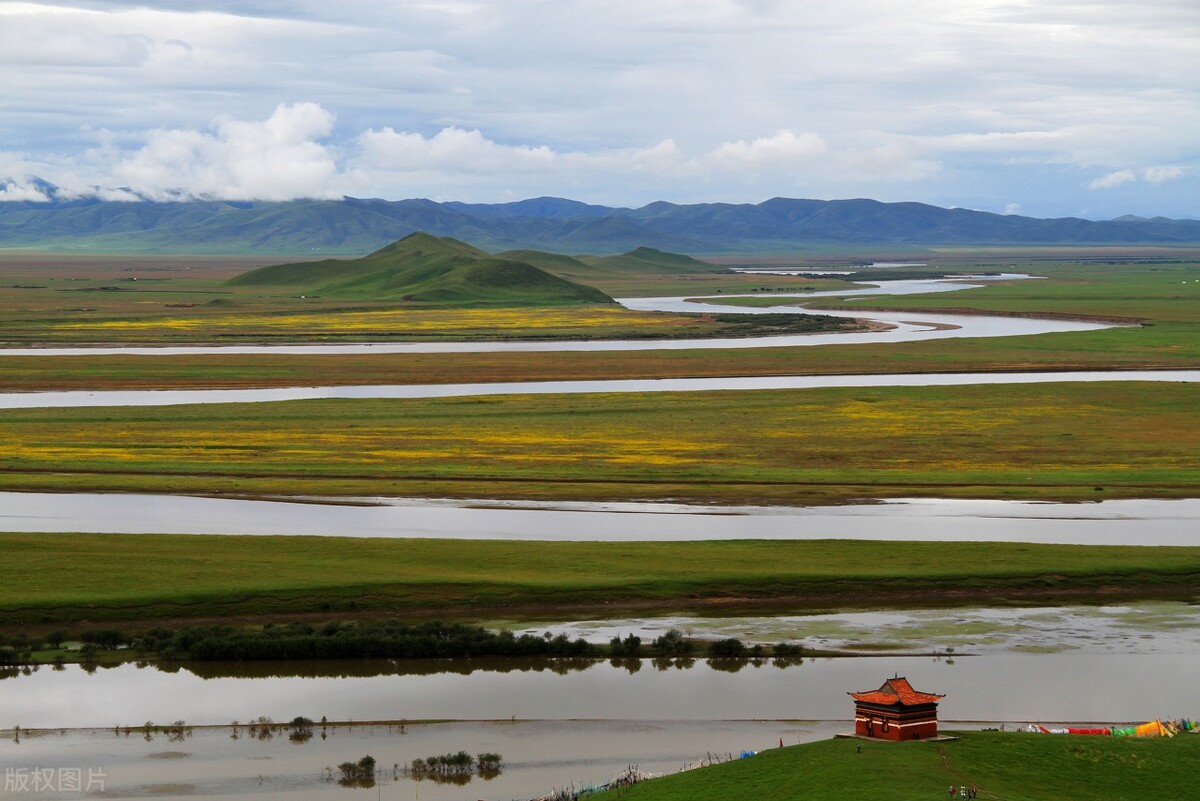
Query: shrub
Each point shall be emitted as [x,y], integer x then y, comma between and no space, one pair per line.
[731,647]
[673,643]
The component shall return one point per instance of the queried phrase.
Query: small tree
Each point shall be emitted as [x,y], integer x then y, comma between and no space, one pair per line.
[358,774]
[673,643]
[730,648]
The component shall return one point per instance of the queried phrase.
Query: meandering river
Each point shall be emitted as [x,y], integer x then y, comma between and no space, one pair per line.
[177,397]
[904,327]
[586,723]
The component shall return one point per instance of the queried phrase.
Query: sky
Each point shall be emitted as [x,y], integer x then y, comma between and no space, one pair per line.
[1045,108]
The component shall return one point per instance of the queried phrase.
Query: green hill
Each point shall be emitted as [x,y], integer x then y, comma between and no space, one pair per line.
[422,267]
[649,261]
[1029,767]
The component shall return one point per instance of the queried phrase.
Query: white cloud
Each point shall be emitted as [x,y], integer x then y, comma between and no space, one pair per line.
[1113,179]
[1156,175]
[772,152]
[454,150]
[962,102]
[895,161]
[780,163]
[21,189]
[451,150]
[279,158]
[1006,141]
[1152,175]
[1012,208]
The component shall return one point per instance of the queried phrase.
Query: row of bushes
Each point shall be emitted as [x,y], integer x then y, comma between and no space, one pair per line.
[366,640]
[375,639]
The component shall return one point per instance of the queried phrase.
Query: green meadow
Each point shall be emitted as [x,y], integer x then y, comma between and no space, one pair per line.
[53,578]
[1160,299]
[1073,442]
[1066,442]
[1009,766]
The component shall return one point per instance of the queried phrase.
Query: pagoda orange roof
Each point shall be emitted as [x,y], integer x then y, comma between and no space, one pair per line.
[896,691]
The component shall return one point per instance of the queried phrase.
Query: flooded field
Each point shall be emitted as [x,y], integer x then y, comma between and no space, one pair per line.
[1021,687]
[576,722]
[538,757]
[1166,627]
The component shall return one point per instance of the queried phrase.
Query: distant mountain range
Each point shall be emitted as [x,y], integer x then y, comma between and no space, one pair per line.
[356,226]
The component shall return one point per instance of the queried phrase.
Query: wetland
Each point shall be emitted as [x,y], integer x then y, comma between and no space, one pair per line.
[608,514]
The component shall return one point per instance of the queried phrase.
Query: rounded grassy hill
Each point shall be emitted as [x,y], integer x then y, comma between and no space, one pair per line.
[428,269]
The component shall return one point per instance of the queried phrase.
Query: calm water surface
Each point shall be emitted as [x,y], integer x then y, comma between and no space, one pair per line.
[537,756]
[1128,522]
[1059,686]
[84,398]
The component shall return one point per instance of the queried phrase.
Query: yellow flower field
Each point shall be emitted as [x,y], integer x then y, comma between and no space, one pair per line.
[395,321]
[1060,441]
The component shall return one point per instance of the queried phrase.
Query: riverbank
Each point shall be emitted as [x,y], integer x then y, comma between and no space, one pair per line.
[71,578]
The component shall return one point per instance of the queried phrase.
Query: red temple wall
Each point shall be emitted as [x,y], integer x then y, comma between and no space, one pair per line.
[888,724]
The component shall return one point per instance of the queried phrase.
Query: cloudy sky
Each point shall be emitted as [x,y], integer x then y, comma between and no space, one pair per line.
[1040,107]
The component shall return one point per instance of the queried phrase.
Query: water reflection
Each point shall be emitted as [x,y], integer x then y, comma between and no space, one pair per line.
[343,669]
[1125,522]
[1020,686]
[536,757]
[369,668]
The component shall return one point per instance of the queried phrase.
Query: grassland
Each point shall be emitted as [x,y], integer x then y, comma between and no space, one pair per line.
[54,578]
[47,299]
[1155,290]
[1014,767]
[1045,441]
[1056,442]
[1163,346]
[1150,291]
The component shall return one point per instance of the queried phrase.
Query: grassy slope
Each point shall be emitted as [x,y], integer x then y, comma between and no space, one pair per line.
[1050,441]
[1014,767]
[424,268]
[71,577]
[650,261]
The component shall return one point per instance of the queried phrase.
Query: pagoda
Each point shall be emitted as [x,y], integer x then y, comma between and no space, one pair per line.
[895,712]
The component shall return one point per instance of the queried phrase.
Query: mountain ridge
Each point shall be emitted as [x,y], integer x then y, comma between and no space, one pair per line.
[357,225]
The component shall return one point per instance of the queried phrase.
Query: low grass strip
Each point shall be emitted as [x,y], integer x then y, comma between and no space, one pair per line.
[94,577]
